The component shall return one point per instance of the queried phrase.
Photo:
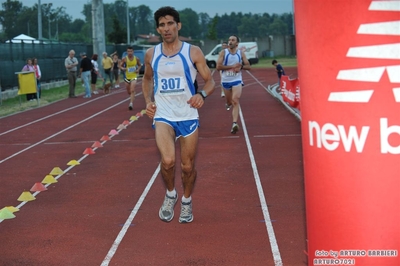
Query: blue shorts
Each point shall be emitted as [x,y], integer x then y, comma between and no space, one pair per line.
[229,85]
[181,128]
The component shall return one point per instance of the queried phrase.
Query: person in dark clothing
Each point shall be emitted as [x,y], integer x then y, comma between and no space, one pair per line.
[94,73]
[38,75]
[279,70]
[86,67]
[115,68]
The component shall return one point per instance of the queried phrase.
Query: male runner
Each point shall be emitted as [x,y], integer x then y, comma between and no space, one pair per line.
[131,65]
[170,71]
[231,61]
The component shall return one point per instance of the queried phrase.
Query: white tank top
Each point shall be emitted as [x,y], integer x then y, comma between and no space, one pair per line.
[230,60]
[173,84]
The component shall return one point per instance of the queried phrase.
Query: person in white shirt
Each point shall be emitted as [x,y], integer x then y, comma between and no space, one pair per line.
[231,61]
[170,71]
[94,74]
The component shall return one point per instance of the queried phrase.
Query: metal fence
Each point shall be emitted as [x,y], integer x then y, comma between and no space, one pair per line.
[51,56]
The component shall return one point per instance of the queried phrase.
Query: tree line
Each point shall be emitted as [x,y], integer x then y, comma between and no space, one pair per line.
[58,25]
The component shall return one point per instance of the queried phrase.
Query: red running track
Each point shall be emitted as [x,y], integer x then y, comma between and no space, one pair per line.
[248,201]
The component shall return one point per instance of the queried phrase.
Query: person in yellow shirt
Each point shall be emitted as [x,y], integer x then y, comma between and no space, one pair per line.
[107,64]
[131,65]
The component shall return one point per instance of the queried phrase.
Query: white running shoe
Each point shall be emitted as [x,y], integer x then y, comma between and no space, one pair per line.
[186,213]
[166,212]
[235,128]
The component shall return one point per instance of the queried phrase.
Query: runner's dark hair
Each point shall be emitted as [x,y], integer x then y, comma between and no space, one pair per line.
[165,11]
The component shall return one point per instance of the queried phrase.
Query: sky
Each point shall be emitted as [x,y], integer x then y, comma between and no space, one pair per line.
[211,7]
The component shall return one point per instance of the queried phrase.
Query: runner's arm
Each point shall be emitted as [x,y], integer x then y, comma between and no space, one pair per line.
[245,63]
[201,65]
[122,61]
[138,64]
[148,85]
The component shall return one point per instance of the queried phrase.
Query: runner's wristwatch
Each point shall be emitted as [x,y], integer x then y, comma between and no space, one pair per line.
[203,94]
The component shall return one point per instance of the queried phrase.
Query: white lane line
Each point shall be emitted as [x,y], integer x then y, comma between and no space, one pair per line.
[128,222]
[277,136]
[48,143]
[220,137]
[46,185]
[268,223]
[292,110]
[59,132]
[67,170]
[60,112]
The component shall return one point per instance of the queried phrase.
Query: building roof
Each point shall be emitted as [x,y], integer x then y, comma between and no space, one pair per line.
[23,38]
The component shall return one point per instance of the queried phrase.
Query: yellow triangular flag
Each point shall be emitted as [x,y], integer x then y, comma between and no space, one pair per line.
[56,171]
[49,179]
[73,162]
[6,214]
[26,196]
[12,209]
[143,112]
[133,118]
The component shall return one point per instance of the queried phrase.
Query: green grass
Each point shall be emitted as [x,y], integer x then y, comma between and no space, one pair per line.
[266,62]
[19,103]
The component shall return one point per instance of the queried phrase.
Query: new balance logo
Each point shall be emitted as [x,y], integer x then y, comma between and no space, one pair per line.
[389,51]
[391,5]
[290,95]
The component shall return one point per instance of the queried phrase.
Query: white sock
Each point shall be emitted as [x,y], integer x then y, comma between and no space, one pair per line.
[172,193]
[186,200]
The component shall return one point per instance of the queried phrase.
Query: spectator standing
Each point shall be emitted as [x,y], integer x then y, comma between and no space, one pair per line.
[94,73]
[107,64]
[71,65]
[115,68]
[279,70]
[86,68]
[29,68]
[38,74]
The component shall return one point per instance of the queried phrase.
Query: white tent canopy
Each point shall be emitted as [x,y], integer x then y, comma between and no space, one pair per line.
[22,38]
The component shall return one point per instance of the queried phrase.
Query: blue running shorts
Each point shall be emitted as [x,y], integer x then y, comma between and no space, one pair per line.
[181,128]
[229,85]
